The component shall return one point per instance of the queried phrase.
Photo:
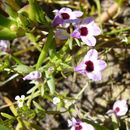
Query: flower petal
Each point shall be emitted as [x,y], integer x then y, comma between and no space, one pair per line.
[96,76]
[55,10]
[57,20]
[109,112]
[56,100]
[81,68]
[69,123]
[78,13]
[75,33]
[74,120]
[96,30]
[17,97]
[20,104]
[91,54]
[86,126]
[61,34]
[64,9]
[72,21]
[88,20]
[102,64]
[22,97]
[89,40]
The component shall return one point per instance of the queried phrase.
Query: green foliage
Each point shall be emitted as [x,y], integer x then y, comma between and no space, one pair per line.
[25,111]
[23,69]
[6,22]
[6,124]
[50,82]
[2,127]
[36,12]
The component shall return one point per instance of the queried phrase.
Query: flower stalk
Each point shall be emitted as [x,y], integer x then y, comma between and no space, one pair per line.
[45,49]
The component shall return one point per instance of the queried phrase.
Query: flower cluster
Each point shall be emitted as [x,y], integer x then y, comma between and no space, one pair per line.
[85,30]
[79,125]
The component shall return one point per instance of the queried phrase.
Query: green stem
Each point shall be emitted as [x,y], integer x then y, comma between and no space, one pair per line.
[33,40]
[118,31]
[64,49]
[45,49]
[105,42]
[99,13]
[82,90]
[16,59]
[115,122]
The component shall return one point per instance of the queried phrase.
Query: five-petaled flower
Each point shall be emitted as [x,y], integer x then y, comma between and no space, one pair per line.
[91,66]
[4,46]
[120,108]
[20,100]
[35,75]
[56,100]
[86,31]
[65,14]
[79,125]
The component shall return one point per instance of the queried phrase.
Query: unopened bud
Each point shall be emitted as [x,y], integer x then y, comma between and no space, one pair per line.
[51,69]
[13,27]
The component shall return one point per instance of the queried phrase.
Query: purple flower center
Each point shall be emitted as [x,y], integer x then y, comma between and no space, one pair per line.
[68,29]
[78,126]
[117,109]
[83,31]
[89,66]
[65,16]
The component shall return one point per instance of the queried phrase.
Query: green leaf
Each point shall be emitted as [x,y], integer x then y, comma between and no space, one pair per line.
[50,82]
[40,15]
[42,90]
[23,16]
[3,127]
[7,115]
[34,87]
[36,12]
[9,79]
[23,69]
[70,43]
[52,50]
[7,34]
[11,12]
[77,41]
[38,106]
[6,22]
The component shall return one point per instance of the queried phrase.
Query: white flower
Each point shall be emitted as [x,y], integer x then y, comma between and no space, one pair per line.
[56,100]
[124,39]
[120,108]
[20,100]
[79,125]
